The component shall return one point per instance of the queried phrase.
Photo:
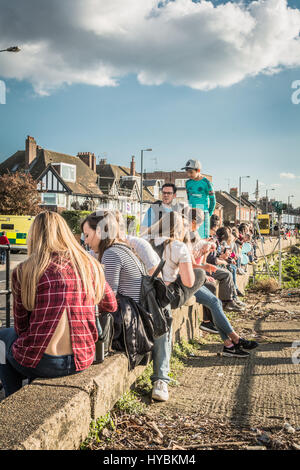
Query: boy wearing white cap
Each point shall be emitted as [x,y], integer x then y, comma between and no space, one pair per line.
[200,193]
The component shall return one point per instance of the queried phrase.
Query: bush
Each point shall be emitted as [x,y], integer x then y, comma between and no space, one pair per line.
[74,219]
[267,285]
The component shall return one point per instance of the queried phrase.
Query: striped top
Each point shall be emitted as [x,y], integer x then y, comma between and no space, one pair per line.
[123,271]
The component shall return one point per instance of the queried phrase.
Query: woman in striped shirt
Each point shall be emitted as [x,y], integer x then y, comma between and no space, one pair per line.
[123,271]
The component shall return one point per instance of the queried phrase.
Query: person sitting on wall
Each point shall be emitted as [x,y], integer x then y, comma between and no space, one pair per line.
[55,291]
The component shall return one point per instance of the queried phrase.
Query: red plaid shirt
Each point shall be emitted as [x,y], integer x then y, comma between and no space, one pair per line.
[57,291]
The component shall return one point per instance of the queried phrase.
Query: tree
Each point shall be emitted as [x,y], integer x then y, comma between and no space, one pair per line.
[19,194]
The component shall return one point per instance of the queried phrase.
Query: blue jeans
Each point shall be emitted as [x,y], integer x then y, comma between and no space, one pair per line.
[161,354]
[205,297]
[12,373]
[232,268]
[2,256]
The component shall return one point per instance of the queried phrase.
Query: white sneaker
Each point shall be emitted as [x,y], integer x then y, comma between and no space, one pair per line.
[160,391]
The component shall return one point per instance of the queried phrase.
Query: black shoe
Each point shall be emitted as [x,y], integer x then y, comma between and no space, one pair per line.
[231,306]
[247,344]
[235,351]
[209,327]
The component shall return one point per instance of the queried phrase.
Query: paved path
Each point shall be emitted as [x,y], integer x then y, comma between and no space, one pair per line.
[262,390]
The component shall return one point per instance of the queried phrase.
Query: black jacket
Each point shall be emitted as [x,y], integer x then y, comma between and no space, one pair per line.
[133,330]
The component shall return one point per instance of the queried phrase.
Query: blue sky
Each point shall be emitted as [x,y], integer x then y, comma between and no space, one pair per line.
[250,127]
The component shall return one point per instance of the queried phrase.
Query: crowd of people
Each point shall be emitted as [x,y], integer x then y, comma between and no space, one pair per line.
[60,287]
[56,289]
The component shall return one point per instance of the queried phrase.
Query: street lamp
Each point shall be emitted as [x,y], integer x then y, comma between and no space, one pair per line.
[267,201]
[11,49]
[288,208]
[240,191]
[142,170]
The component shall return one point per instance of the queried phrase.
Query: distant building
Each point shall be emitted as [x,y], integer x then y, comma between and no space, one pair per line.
[121,187]
[178,178]
[231,205]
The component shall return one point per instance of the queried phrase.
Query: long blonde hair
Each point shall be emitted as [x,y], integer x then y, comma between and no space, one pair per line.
[49,234]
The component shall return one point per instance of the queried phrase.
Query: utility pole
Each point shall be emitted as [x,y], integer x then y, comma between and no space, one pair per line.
[280,255]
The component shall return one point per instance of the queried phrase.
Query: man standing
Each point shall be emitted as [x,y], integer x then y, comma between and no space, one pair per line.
[200,194]
[3,241]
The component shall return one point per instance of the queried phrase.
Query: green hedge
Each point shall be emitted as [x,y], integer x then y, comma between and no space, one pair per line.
[74,219]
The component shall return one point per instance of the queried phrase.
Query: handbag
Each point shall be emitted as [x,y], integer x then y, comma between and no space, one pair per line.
[181,293]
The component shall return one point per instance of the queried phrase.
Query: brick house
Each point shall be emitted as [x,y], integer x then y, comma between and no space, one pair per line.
[230,205]
[61,179]
[175,177]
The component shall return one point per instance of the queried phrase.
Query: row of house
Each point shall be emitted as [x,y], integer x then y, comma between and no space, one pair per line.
[75,182]
[236,207]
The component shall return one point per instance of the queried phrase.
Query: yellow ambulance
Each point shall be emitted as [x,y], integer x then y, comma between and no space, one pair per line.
[16,229]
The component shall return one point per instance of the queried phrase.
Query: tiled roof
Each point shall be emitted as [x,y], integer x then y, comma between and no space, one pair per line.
[86,179]
[108,173]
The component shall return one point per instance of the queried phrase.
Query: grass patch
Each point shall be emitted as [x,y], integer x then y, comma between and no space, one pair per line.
[290,275]
[96,430]
[130,404]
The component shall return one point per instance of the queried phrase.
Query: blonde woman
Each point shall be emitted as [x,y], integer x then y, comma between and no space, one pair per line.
[55,292]
[178,273]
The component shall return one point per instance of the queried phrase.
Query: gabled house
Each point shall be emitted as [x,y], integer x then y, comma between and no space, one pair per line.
[61,179]
[121,188]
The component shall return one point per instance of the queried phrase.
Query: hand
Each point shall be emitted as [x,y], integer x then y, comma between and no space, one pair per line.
[210,268]
[211,279]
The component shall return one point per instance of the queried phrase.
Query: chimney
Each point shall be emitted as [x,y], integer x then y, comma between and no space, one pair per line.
[132,167]
[30,150]
[89,159]
[234,192]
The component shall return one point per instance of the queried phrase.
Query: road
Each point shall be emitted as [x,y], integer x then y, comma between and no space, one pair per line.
[16,258]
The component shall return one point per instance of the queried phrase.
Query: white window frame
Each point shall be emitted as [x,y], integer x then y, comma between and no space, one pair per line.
[57,203]
[67,165]
[179,181]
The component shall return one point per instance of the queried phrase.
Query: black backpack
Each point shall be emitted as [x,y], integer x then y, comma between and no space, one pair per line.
[154,296]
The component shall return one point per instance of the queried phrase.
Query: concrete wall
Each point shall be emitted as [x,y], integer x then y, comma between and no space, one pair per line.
[56,413]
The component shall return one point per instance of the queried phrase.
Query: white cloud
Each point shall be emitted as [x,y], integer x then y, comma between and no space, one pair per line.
[290,176]
[183,43]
